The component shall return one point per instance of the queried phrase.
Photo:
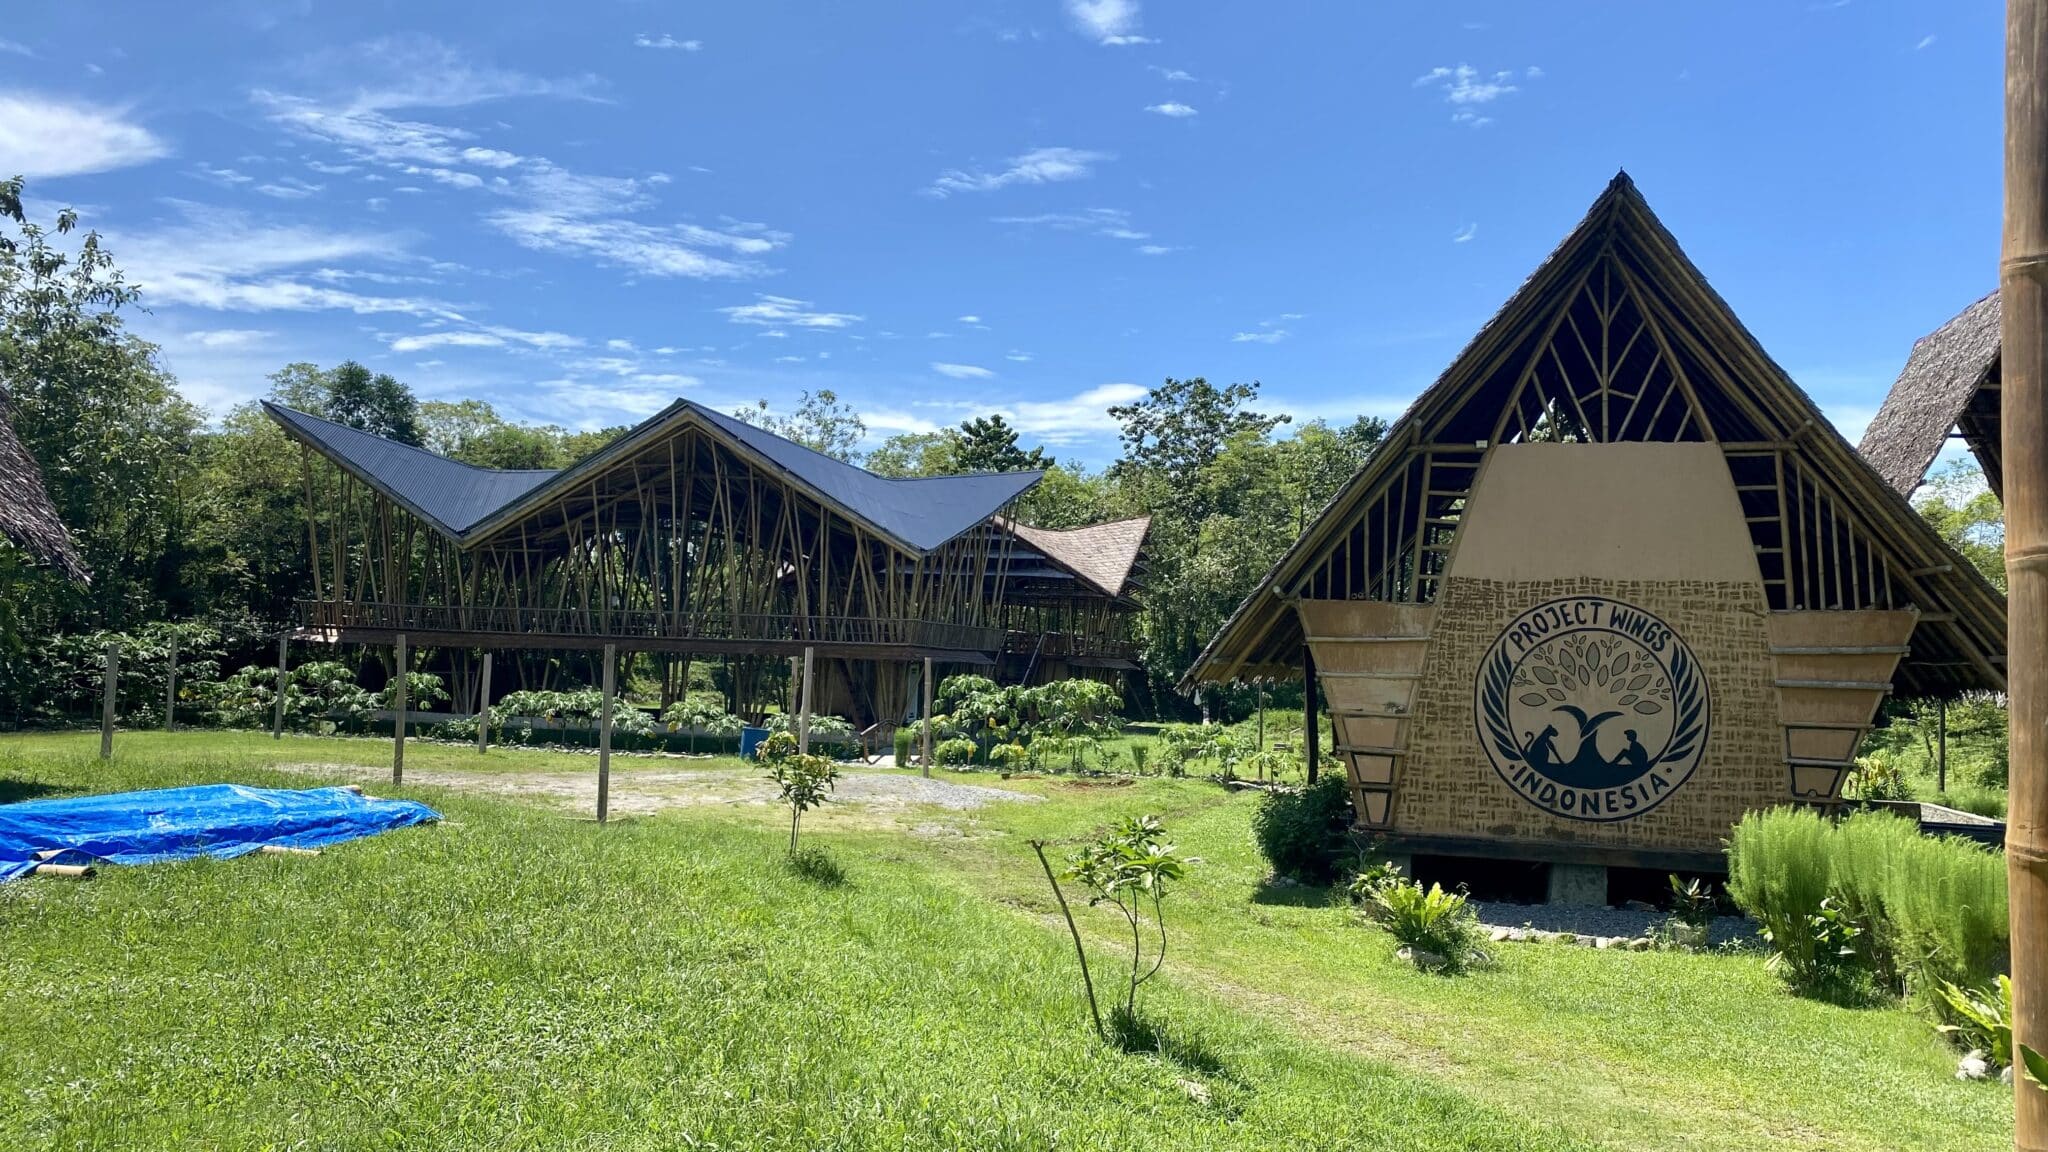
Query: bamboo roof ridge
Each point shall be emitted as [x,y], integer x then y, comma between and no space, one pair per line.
[1103,554]
[1942,386]
[27,518]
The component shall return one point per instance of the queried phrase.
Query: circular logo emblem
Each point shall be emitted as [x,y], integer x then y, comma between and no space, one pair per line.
[1592,709]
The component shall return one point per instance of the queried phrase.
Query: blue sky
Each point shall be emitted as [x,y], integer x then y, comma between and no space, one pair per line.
[1030,206]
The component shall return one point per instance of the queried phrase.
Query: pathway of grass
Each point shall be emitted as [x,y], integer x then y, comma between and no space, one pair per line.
[519,979]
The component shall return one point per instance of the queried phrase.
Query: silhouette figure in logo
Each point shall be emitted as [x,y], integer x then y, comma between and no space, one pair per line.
[1587,768]
[1540,752]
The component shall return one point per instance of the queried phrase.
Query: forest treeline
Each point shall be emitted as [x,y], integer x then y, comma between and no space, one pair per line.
[186,517]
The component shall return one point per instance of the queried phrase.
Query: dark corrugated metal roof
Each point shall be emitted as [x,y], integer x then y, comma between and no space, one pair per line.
[452,494]
[922,513]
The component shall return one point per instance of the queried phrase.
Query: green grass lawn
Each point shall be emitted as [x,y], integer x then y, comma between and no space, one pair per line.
[520,977]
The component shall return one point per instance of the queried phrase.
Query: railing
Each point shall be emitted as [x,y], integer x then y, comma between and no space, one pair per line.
[1067,646]
[648,623]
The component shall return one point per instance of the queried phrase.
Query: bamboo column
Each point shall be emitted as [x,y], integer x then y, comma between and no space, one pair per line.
[803,716]
[483,708]
[604,738]
[107,700]
[924,750]
[2023,300]
[1311,724]
[398,717]
[277,706]
[171,688]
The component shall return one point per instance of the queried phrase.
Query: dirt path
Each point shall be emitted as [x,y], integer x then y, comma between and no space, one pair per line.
[647,792]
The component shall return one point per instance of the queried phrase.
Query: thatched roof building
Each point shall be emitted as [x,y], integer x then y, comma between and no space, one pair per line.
[1610,582]
[28,520]
[1949,382]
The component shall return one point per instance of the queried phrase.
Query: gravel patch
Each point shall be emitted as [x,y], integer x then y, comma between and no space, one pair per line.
[1595,921]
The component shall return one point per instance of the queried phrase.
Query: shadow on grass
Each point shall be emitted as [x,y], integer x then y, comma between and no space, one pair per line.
[1141,1035]
[1278,891]
[14,791]
[817,867]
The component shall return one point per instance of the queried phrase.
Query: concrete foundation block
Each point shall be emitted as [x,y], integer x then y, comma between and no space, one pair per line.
[1583,884]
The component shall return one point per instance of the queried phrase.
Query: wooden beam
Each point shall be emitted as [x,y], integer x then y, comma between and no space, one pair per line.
[604,737]
[113,679]
[171,682]
[283,683]
[398,715]
[924,751]
[483,709]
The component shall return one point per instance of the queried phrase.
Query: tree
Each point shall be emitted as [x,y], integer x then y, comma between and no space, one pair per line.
[377,404]
[103,420]
[820,422]
[1959,505]
[988,444]
[909,454]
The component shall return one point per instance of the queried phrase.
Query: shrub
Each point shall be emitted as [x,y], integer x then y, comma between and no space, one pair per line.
[1879,777]
[904,741]
[1010,756]
[1302,834]
[1428,920]
[958,750]
[803,781]
[697,713]
[1983,1020]
[779,746]
[1926,911]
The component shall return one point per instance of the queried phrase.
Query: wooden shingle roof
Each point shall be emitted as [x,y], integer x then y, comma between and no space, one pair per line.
[27,518]
[1950,381]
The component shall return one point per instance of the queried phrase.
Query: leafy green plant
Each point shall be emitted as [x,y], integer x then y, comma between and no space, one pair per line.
[1827,960]
[956,751]
[1140,755]
[1430,921]
[803,781]
[1127,868]
[2034,1066]
[779,746]
[701,714]
[1984,1019]
[1367,884]
[1879,777]
[1010,756]
[1302,833]
[1692,901]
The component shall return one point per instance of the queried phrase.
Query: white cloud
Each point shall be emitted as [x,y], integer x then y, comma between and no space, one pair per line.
[1174,75]
[969,319]
[962,371]
[1172,108]
[225,177]
[665,40]
[428,340]
[45,136]
[1467,90]
[16,48]
[226,337]
[287,188]
[1019,357]
[1085,415]
[1464,234]
[779,310]
[1269,336]
[1156,249]
[620,345]
[1038,166]
[1114,223]
[1106,21]
[227,262]
[1925,41]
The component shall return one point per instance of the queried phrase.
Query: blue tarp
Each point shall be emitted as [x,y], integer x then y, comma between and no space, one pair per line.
[223,820]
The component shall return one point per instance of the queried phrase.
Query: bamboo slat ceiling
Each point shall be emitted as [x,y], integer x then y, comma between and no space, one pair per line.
[1950,381]
[27,518]
[468,503]
[1736,395]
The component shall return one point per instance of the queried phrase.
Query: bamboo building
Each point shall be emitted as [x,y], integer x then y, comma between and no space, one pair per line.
[1949,389]
[28,521]
[1611,581]
[696,534]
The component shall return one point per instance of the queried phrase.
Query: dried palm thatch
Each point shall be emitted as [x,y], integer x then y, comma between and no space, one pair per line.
[1950,381]
[28,520]
[1102,554]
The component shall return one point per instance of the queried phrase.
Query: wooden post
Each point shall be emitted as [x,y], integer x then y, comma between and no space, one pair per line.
[483,708]
[107,700]
[1941,745]
[803,716]
[604,738]
[2023,302]
[924,744]
[1312,726]
[283,682]
[398,717]
[171,688]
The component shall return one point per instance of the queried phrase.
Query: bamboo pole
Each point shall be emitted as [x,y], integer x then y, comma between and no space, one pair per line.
[604,738]
[803,716]
[398,717]
[171,687]
[483,709]
[1312,729]
[924,750]
[277,706]
[107,700]
[2023,299]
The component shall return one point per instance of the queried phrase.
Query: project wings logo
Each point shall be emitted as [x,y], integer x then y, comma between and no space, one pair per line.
[1592,709]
